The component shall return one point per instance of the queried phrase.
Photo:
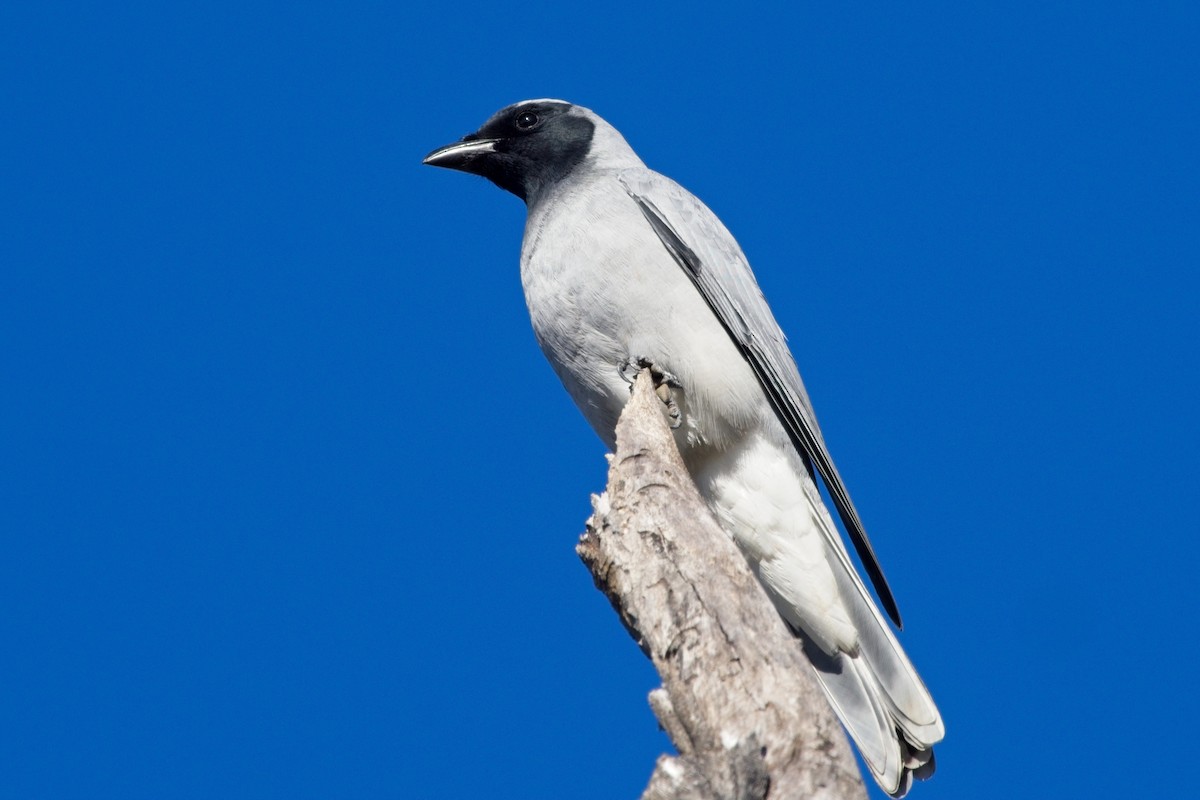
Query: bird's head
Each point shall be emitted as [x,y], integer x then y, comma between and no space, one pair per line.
[532,144]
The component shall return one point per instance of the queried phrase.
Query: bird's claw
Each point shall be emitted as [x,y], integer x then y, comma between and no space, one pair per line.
[665,384]
[666,393]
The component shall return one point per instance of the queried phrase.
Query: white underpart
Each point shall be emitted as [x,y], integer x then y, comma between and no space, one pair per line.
[757,492]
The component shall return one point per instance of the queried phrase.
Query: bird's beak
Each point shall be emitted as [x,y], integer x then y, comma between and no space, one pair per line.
[460,154]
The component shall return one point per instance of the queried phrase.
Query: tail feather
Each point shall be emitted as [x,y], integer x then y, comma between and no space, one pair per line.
[877,685]
[868,714]
[900,686]
[850,693]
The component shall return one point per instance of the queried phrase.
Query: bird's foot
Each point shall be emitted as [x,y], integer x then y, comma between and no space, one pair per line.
[665,384]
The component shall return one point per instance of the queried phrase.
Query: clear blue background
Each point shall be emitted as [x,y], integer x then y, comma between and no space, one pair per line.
[288,496]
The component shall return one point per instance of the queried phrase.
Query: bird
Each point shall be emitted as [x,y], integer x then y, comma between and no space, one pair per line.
[623,269]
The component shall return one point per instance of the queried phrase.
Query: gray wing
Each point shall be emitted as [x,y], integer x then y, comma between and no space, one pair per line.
[711,258]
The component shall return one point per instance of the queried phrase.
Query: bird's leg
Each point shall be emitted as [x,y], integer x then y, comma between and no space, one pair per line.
[665,384]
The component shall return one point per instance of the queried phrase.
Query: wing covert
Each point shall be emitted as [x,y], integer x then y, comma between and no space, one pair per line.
[718,269]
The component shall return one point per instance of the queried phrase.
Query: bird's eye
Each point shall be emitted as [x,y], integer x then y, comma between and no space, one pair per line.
[527,120]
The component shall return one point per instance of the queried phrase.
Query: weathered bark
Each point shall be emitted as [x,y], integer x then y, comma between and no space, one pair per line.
[738,698]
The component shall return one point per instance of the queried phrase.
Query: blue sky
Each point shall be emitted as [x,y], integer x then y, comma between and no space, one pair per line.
[289,497]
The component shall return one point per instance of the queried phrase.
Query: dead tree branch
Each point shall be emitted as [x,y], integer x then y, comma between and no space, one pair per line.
[738,698]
